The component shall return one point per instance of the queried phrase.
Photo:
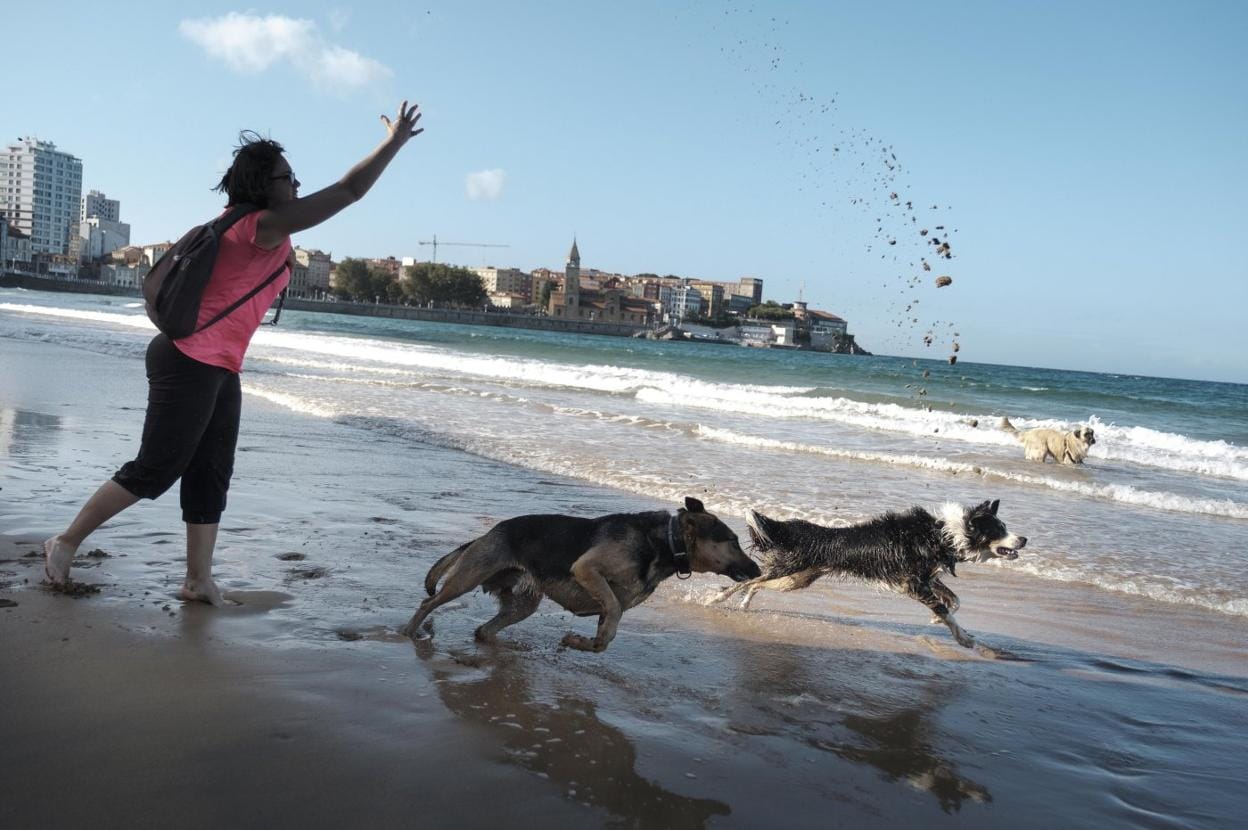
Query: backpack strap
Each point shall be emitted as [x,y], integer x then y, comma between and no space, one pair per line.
[253,292]
[281,303]
[226,220]
[219,226]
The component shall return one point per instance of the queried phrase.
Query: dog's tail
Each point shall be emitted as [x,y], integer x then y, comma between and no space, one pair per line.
[1008,427]
[440,567]
[765,533]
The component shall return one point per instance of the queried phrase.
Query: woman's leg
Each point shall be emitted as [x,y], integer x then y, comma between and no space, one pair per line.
[59,551]
[201,541]
[182,394]
[205,483]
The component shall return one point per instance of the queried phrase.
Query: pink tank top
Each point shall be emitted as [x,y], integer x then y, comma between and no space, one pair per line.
[241,265]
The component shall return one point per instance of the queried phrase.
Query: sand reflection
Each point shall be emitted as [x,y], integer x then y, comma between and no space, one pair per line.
[24,433]
[891,726]
[900,744]
[563,741]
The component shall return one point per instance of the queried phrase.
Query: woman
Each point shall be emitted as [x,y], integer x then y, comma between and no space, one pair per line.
[191,426]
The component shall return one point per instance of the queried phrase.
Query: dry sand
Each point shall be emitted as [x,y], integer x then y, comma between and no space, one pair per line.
[300,706]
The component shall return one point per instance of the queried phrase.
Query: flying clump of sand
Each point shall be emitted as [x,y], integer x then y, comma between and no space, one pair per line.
[848,170]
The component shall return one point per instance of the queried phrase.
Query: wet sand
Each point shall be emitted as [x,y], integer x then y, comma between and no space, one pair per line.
[838,706]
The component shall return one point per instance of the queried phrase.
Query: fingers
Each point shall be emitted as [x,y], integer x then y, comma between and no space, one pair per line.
[408,116]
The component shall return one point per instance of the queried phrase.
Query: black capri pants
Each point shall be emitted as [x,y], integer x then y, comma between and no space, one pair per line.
[190,431]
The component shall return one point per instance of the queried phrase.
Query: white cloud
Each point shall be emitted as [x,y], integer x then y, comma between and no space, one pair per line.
[338,19]
[485,185]
[250,44]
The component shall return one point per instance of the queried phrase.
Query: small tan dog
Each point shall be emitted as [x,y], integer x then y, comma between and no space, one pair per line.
[1064,447]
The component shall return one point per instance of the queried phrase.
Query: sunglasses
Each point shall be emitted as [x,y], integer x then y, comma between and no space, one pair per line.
[289,175]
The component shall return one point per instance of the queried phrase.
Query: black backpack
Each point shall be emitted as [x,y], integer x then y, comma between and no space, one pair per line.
[173,289]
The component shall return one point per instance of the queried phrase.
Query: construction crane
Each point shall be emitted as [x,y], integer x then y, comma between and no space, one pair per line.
[435,243]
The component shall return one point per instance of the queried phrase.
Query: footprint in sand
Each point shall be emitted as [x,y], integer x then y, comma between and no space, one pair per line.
[310,572]
[73,588]
[377,633]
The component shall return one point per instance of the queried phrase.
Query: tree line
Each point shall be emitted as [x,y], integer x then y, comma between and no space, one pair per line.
[419,284]
[454,286]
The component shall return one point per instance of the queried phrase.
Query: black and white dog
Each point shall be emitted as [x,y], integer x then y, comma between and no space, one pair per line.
[905,551]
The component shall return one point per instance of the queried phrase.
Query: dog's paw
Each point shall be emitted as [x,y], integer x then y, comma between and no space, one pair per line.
[417,633]
[578,642]
[990,652]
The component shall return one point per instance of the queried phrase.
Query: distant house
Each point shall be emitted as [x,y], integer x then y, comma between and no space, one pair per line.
[153,253]
[825,322]
[130,255]
[15,246]
[310,276]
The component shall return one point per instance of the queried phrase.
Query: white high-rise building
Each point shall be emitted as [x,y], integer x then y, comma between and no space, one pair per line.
[41,193]
[96,204]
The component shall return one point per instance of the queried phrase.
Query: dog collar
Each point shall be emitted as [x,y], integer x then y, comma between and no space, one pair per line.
[676,543]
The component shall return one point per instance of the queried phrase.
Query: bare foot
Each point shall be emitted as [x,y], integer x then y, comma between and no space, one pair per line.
[57,557]
[201,590]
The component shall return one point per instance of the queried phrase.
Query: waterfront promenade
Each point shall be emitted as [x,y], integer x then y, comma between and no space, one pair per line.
[437,315]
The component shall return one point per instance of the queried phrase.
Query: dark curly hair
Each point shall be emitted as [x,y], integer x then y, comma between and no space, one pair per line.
[247,180]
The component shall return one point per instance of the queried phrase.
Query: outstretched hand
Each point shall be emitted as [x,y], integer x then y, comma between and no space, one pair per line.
[404,127]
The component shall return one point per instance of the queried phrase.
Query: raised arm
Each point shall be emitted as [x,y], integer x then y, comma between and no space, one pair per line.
[281,221]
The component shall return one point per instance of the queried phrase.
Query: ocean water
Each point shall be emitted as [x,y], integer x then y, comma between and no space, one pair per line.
[1159,510]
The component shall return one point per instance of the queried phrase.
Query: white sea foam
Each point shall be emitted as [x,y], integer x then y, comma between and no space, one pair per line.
[595,378]
[1151,586]
[1136,445]
[1141,445]
[139,321]
[729,501]
[1123,493]
[674,391]
[292,402]
[380,372]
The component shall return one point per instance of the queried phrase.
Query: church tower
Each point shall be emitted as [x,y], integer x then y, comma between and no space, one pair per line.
[572,282]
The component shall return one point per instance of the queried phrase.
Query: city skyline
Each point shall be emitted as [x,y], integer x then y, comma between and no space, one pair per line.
[1086,164]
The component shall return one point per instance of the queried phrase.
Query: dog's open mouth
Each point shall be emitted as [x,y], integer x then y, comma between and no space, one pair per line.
[1006,553]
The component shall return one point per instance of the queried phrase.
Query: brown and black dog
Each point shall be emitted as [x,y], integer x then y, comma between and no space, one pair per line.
[592,567]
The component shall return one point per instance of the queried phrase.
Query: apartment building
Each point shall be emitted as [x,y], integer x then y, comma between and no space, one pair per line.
[510,281]
[310,277]
[41,193]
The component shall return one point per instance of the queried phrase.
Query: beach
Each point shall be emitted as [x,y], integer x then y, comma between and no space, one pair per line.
[839,706]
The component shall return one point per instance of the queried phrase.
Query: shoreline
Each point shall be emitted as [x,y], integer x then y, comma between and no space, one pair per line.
[302,704]
[499,319]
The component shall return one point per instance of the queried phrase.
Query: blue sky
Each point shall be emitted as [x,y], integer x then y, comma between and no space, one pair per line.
[1087,161]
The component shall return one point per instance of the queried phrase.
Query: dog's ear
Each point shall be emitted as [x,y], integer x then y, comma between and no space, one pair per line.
[992,508]
[693,505]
